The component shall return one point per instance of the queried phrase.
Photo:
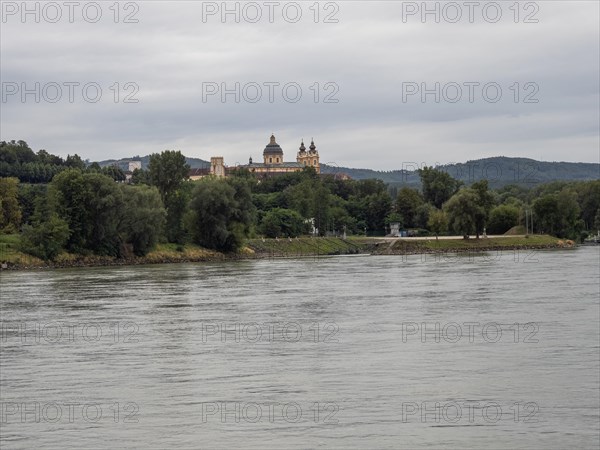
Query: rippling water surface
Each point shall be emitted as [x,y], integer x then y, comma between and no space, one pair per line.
[339,352]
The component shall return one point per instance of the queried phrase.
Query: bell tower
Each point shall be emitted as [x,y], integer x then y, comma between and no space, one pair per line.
[309,158]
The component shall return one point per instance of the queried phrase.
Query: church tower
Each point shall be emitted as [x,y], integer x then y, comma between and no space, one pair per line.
[217,166]
[273,153]
[309,158]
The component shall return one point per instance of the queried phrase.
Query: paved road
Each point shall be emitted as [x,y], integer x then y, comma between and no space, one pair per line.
[428,238]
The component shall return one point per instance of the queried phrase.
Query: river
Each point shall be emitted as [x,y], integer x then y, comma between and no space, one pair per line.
[495,351]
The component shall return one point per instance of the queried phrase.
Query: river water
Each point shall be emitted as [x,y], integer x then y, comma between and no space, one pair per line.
[500,351]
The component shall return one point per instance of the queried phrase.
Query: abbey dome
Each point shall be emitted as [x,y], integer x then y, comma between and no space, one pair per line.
[272,164]
[273,148]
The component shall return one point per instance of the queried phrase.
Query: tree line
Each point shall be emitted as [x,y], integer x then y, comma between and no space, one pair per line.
[84,210]
[19,161]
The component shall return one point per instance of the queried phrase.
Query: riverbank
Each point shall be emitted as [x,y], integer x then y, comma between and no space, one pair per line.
[491,244]
[12,259]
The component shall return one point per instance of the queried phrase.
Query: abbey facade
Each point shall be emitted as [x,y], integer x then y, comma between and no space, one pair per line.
[273,162]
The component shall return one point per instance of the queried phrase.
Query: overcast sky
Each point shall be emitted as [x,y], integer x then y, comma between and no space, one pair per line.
[374,58]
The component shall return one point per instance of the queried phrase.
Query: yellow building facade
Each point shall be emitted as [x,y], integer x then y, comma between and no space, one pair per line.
[272,162]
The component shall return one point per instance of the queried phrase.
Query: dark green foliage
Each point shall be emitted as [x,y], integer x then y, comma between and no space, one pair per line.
[438,186]
[217,219]
[91,204]
[408,202]
[176,204]
[588,198]
[559,214]
[45,239]
[502,218]
[10,210]
[485,201]
[463,210]
[29,196]
[168,171]
[370,204]
[114,172]
[143,218]
[281,222]
[18,160]
[140,176]
[85,211]
[546,213]
[438,221]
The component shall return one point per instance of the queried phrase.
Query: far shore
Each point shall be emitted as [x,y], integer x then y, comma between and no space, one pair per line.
[301,247]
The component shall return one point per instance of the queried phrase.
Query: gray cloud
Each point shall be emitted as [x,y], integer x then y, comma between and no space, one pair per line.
[170,53]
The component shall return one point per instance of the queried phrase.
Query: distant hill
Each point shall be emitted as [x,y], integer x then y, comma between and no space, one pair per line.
[194,163]
[499,171]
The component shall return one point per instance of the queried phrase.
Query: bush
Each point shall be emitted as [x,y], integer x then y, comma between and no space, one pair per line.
[502,219]
[46,239]
[220,215]
[283,222]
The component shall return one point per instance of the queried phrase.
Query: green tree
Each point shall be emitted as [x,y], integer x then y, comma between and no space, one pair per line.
[68,195]
[105,207]
[588,198]
[168,171]
[339,218]
[378,207]
[463,210]
[281,222]
[321,207]
[94,167]
[394,217]
[422,216]
[29,196]
[407,204]
[437,186]
[245,213]
[92,205]
[143,217]
[140,176]
[569,225]
[485,201]
[46,238]
[438,222]
[546,213]
[502,219]
[597,221]
[75,162]
[216,219]
[10,211]
[113,172]
[176,204]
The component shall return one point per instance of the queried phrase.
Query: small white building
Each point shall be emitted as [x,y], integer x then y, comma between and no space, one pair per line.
[395,229]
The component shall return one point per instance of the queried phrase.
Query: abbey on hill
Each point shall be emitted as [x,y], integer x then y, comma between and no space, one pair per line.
[273,162]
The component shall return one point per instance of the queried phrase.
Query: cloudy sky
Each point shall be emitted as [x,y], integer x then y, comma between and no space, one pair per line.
[377,84]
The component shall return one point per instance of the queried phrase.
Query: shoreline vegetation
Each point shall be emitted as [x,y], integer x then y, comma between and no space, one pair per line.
[57,212]
[12,259]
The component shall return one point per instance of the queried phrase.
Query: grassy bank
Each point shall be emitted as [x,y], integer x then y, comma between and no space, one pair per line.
[304,246]
[12,258]
[407,246]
